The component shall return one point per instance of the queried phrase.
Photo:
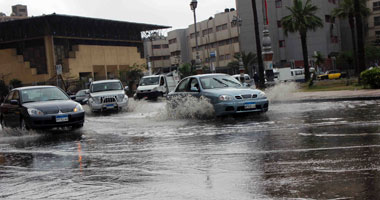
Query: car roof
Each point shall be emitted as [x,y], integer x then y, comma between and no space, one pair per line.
[106,81]
[151,76]
[205,75]
[34,87]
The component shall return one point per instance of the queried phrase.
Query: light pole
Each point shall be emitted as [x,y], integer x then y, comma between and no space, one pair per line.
[193,6]
[208,45]
[236,20]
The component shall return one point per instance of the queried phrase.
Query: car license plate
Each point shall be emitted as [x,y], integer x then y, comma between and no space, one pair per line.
[110,106]
[62,118]
[249,106]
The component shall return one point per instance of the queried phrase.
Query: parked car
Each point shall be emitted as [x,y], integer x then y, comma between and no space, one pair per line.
[38,107]
[333,74]
[107,95]
[247,80]
[81,96]
[227,95]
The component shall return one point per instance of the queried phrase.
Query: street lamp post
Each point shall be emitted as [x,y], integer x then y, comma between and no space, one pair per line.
[236,20]
[208,45]
[193,6]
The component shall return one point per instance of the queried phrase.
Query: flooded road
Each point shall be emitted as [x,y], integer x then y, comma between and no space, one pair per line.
[307,151]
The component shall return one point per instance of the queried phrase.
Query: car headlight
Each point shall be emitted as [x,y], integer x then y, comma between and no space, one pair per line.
[261,95]
[94,100]
[225,98]
[35,112]
[120,97]
[78,108]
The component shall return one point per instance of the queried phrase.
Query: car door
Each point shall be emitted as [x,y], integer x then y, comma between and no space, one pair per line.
[16,109]
[9,110]
[194,88]
[5,108]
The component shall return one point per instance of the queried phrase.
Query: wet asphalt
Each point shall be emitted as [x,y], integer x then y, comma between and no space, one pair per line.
[314,150]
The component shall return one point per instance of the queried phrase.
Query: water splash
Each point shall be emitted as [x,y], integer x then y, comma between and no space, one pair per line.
[189,107]
[282,91]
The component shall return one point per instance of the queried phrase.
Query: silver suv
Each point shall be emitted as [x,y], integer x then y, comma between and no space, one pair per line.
[107,95]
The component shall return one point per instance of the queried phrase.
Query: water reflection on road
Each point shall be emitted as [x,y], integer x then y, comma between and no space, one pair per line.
[308,150]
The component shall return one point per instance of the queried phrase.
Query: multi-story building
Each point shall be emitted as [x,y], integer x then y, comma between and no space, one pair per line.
[217,40]
[18,12]
[374,22]
[178,47]
[287,49]
[157,53]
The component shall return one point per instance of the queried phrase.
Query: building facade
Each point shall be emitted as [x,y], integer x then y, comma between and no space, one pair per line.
[157,52]
[218,40]
[373,36]
[178,47]
[18,12]
[287,49]
[31,49]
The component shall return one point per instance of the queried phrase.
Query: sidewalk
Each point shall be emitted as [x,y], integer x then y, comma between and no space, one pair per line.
[342,95]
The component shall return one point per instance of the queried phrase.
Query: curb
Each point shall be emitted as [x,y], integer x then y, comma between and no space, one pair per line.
[336,99]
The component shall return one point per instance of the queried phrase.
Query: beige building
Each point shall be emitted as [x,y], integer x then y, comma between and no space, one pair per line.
[178,47]
[18,12]
[374,22]
[157,52]
[84,47]
[217,37]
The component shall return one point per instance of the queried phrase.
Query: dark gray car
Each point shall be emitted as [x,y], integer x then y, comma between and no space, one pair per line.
[40,107]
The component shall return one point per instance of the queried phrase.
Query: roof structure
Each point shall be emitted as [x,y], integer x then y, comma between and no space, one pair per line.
[73,27]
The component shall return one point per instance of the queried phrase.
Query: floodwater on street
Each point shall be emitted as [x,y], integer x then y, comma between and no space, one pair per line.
[325,150]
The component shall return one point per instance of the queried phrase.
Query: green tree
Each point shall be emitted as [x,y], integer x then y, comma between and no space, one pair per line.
[372,54]
[15,83]
[132,75]
[249,59]
[234,65]
[185,70]
[319,59]
[346,10]
[302,19]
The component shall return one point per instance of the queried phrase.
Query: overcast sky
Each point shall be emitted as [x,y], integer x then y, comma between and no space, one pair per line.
[175,13]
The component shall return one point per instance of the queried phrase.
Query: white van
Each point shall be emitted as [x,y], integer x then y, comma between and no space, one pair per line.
[154,86]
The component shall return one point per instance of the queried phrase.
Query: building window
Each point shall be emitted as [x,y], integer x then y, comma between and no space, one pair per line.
[377,34]
[165,46]
[221,57]
[221,27]
[377,21]
[172,41]
[227,57]
[334,39]
[327,18]
[192,35]
[376,5]
[156,46]
[281,43]
[278,3]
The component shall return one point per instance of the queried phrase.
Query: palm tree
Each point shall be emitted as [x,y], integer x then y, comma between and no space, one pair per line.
[302,19]
[258,45]
[248,59]
[319,59]
[346,10]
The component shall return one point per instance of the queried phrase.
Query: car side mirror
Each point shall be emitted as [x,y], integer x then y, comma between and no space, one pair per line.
[126,88]
[15,102]
[194,89]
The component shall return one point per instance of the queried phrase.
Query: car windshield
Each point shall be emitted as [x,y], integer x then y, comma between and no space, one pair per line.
[149,81]
[42,94]
[210,82]
[100,87]
[81,93]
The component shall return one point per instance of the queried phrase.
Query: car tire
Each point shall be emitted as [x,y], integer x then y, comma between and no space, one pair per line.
[23,125]
[2,122]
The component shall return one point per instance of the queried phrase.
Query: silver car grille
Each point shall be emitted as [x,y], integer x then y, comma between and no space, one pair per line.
[246,96]
[108,99]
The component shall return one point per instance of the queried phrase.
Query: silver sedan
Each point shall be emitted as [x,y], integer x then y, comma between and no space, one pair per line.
[225,93]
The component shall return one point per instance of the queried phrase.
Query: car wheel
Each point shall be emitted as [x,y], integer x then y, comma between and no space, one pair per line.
[23,125]
[2,122]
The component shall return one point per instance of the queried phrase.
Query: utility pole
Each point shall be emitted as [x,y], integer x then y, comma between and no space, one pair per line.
[359,30]
[258,46]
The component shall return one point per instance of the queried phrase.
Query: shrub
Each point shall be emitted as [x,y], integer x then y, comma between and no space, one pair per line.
[371,78]
[15,83]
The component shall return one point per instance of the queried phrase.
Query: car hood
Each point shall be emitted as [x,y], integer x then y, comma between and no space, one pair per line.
[147,87]
[232,91]
[107,93]
[52,107]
